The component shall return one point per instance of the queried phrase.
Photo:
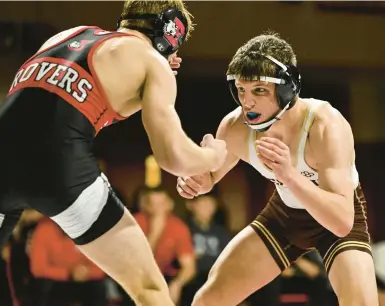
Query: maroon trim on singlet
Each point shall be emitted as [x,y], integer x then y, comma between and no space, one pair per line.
[95,76]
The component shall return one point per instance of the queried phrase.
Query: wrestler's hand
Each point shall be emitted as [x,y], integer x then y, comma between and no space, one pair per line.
[174,62]
[276,155]
[190,187]
[220,148]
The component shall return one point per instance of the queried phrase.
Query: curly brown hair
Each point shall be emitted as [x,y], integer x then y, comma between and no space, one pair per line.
[248,64]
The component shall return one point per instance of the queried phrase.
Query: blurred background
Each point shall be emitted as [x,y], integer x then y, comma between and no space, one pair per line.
[340,51]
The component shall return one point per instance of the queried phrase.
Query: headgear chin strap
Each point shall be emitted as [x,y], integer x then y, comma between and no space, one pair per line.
[264,126]
[169,29]
[288,86]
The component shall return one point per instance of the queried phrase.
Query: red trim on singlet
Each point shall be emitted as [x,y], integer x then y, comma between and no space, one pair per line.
[95,76]
[93,106]
[96,108]
[82,29]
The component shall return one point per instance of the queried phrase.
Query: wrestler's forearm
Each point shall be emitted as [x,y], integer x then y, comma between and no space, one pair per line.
[329,209]
[194,160]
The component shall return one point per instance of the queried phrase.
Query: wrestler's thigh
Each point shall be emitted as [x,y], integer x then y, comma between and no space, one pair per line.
[353,279]
[244,266]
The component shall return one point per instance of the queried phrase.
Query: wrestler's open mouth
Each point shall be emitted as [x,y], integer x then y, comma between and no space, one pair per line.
[253,117]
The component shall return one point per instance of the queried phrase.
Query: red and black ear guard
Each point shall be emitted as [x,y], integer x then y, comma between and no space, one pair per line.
[169,31]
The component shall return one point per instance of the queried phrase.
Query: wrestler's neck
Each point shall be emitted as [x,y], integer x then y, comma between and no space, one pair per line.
[290,121]
[136,33]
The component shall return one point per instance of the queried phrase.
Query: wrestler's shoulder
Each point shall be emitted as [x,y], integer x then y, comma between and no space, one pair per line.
[234,119]
[233,129]
[330,125]
[328,116]
[123,45]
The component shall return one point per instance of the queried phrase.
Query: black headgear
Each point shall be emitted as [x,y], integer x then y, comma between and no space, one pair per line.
[169,29]
[288,86]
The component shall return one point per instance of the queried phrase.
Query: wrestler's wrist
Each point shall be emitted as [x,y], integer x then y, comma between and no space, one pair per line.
[293,178]
[211,158]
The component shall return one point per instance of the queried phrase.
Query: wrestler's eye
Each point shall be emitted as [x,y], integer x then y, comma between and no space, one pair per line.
[259,90]
[241,89]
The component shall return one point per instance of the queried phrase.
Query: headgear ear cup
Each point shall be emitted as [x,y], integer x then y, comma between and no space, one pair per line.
[286,92]
[172,31]
[169,31]
[288,85]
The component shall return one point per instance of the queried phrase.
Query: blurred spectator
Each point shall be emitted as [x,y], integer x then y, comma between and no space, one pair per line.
[22,280]
[308,276]
[169,238]
[209,239]
[65,274]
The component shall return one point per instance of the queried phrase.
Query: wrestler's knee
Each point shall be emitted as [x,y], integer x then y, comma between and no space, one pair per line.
[155,296]
[147,289]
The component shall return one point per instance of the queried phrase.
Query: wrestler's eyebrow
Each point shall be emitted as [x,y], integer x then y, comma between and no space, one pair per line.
[260,84]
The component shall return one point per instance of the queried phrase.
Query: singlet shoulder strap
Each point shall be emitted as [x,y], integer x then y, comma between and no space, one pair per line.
[313,106]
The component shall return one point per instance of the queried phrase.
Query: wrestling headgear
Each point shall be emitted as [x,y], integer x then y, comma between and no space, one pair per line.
[288,86]
[169,29]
